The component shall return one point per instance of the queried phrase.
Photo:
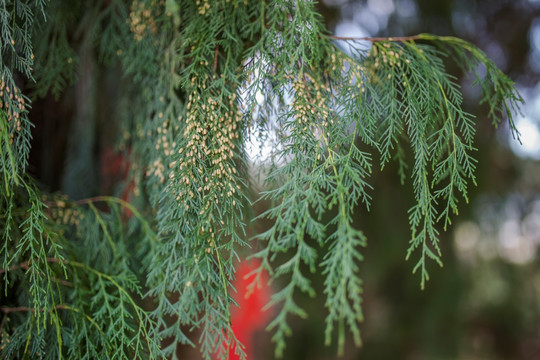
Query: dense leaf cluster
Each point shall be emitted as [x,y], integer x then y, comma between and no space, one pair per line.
[97,278]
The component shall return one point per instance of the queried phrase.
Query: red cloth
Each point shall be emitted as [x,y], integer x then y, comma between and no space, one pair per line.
[249,317]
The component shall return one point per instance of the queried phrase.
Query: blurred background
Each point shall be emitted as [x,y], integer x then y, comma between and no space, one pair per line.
[485,302]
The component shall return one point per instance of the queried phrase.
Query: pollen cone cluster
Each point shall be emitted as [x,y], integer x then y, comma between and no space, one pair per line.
[204,176]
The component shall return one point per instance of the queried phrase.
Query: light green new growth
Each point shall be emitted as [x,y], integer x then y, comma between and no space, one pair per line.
[98,279]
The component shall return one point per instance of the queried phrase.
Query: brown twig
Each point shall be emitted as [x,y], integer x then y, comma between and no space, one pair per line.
[216,58]
[26,265]
[375,39]
[7,310]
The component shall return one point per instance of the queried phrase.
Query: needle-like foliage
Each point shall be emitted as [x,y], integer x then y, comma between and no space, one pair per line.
[98,278]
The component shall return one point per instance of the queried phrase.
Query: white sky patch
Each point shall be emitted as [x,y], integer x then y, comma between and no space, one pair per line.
[351,29]
[368,20]
[528,126]
[258,148]
[530,139]
[381,7]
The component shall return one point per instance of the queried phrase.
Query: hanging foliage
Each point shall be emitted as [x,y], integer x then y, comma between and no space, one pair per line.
[98,278]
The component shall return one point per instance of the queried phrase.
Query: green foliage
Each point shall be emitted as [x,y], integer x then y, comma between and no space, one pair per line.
[200,78]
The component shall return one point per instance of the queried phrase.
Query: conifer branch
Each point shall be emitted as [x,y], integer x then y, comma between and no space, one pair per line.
[186,127]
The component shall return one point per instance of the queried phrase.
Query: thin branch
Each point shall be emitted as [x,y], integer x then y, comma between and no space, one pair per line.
[216,58]
[376,39]
[7,310]
[26,265]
